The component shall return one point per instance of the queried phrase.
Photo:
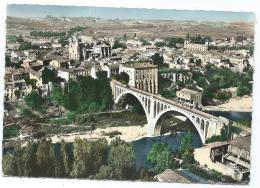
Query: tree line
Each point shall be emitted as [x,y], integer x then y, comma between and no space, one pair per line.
[80,159]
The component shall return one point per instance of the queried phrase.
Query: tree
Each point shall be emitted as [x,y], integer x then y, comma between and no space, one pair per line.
[161,157]
[66,162]
[118,44]
[158,60]
[34,100]
[17,93]
[121,159]
[88,157]
[144,42]
[105,173]
[186,149]
[45,158]
[48,75]
[8,165]
[25,46]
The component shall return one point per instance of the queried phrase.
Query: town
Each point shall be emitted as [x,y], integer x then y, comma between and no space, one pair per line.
[117,100]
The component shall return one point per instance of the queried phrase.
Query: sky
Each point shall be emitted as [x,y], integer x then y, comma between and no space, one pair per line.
[127,13]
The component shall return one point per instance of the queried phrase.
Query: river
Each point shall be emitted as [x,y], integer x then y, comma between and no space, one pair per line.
[143,146]
[234,116]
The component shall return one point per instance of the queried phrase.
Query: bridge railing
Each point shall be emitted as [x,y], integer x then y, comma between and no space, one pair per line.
[175,103]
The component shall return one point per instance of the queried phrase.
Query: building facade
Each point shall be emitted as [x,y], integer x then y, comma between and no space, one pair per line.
[143,76]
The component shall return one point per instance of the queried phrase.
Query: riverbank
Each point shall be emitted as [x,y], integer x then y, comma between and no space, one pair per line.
[127,134]
[238,104]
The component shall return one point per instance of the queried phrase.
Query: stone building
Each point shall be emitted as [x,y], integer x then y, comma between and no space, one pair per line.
[195,47]
[81,50]
[72,73]
[143,76]
[15,80]
[189,97]
[177,76]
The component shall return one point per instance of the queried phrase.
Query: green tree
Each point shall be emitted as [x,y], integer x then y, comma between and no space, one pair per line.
[65,158]
[48,75]
[88,157]
[121,159]
[105,173]
[8,165]
[158,60]
[45,158]
[186,149]
[161,157]
[35,101]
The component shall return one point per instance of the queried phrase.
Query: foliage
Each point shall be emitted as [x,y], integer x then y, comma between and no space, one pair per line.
[245,122]
[76,29]
[8,165]
[118,44]
[84,95]
[122,77]
[25,46]
[47,34]
[210,175]
[105,173]
[161,157]
[168,93]
[35,101]
[14,38]
[144,42]
[186,149]
[158,60]
[198,39]
[121,159]
[48,75]
[225,134]
[45,157]
[31,82]
[88,157]
[11,131]
[171,41]
[160,44]
[221,78]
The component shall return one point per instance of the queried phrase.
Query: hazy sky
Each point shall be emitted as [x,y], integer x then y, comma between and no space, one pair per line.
[127,13]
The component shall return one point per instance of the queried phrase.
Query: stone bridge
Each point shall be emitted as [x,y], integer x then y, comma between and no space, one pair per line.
[156,106]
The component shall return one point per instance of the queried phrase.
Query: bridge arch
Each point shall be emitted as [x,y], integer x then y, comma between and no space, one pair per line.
[144,101]
[190,117]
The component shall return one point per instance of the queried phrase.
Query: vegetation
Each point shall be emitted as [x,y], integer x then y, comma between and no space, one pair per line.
[11,131]
[186,149]
[161,157]
[47,33]
[158,60]
[215,79]
[35,101]
[198,39]
[89,159]
[118,44]
[144,42]
[14,38]
[226,134]
[210,175]
[122,77]
[172,41]
[84,95]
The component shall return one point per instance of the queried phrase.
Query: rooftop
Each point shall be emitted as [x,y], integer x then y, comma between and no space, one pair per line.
[139,65]
[171,176]
[242,142]
[189,91]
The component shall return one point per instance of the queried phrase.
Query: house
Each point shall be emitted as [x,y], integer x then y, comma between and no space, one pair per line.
[190,97]
[171,176]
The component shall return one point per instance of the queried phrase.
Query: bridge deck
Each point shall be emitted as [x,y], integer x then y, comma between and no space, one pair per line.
[175,103]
